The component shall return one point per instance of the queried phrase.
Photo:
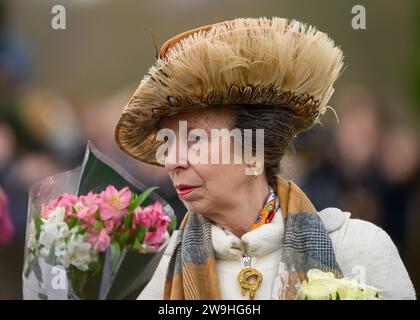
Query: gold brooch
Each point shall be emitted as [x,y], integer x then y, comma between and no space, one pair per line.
[249,278]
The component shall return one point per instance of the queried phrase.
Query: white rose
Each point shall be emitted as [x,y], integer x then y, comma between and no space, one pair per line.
[323,289]
[314,274]
[323,286]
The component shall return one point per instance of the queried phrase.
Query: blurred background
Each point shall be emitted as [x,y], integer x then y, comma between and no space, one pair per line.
[59,88]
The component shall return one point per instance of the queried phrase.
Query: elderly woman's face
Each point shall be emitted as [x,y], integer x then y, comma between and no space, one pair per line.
[201,186]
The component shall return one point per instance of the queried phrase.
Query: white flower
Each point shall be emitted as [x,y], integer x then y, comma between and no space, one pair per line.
[57,215]
[80,252]
[62,254]
[316,274]
[55,231]
[69,246]
[49,233]
[63,230]
[324,286]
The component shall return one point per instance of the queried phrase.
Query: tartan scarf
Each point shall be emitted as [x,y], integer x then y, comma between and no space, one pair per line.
[192,270]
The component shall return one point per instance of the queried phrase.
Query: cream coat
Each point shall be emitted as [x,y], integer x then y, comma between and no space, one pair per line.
[363,250]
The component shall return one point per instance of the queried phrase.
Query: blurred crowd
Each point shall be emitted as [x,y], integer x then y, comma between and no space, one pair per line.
[367,163]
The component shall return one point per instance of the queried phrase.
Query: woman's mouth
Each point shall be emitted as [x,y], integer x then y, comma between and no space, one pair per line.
[183,190]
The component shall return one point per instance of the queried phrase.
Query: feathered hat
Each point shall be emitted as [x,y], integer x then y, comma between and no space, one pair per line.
[243,61]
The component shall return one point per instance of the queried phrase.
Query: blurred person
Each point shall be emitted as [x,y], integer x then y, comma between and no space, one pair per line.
[399,164]
[100,132]
[215,77]
[348,172]
[53,122]
[28,168]
[371,171]
[7,249]
[400,154]
[7,147]
[6,227]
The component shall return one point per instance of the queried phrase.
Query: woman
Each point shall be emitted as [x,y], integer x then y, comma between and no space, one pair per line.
[248,232]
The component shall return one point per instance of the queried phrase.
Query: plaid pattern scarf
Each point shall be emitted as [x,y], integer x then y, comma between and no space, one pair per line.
[192,270]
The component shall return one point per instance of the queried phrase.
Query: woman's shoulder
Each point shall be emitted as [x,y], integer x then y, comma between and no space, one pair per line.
[347,232]
[362,246]
[340,224]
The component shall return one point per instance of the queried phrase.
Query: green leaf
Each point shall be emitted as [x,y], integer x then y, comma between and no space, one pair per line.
[143,196]
[140,233]
[97,215]
[172,225]
[337,296]
[137,244]
[127,221]
[95,268]
[115,254]
[140,198]
[81,231]
[38,223]
[98,225]
[124,238]
[71,222]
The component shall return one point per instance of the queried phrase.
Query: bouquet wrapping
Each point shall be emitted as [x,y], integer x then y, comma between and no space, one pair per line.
[93,233]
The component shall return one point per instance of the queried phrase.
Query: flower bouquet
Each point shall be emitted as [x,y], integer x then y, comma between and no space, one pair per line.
[93,233]
[324,286]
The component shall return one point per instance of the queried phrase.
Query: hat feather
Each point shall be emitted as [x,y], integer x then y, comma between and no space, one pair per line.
[246,60]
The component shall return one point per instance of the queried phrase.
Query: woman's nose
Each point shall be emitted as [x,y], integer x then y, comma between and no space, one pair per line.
[176,159]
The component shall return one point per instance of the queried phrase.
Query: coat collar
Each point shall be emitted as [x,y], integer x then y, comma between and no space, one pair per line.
[257,243]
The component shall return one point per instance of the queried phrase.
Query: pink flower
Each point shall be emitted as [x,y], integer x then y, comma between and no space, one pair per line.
[87,206]
[109,225]
[153,217]
[67,201]
[46,209]
[6,227]
[114,203]
[154,238]
[99,240]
